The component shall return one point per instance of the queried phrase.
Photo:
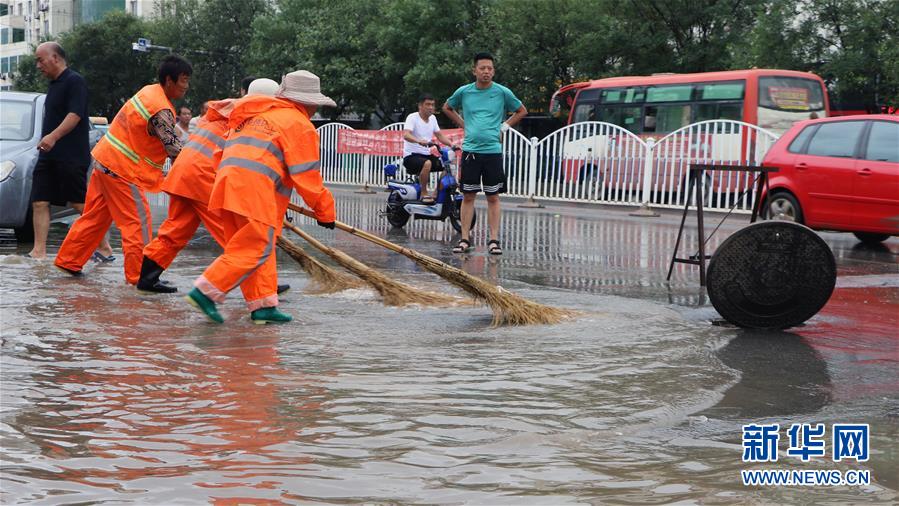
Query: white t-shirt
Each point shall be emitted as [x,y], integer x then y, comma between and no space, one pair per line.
[182,133]
[421,130]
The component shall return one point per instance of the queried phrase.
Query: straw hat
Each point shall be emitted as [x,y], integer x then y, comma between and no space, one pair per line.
[303,86]
[263,86]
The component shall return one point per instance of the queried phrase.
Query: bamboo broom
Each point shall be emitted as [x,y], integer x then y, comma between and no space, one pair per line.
[392,292]
[324,279]
[507,307]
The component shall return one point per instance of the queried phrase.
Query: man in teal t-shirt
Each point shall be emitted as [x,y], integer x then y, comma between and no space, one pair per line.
[484,105]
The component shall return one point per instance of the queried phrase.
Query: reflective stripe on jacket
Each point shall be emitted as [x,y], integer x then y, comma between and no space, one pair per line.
[128,149]
[271,148]
[193,173]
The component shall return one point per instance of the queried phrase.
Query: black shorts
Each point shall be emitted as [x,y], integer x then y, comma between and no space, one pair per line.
[485,170]
[414,162]
[59,182]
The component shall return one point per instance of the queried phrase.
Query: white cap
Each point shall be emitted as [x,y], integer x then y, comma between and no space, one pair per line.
[263,86]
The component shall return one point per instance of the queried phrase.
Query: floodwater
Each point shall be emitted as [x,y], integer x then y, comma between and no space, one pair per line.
[111,396]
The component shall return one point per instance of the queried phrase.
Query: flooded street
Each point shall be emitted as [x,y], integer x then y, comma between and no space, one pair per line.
[109,395]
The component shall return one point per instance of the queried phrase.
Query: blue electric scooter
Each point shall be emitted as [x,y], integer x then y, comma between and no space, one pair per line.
[405,201]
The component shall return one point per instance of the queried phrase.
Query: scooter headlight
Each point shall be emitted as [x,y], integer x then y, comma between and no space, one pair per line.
[6,168]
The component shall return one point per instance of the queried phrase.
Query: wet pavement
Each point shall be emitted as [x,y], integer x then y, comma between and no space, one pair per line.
[109,395]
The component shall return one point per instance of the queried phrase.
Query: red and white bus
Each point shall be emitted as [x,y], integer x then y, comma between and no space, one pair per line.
[662,103]
[653,107]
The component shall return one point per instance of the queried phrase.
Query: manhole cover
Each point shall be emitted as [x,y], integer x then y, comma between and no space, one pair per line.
[771,275]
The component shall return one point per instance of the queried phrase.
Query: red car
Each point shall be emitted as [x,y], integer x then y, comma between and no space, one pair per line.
[838,174]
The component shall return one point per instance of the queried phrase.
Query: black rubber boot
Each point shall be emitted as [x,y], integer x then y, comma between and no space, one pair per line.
[149,278]
[283,288]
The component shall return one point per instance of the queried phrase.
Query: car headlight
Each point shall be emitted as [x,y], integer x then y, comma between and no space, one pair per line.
[6,168]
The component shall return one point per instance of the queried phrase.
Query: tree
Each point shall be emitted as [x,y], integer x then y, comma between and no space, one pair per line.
[101,52]
[375,58]
[27,77]
[378,57]
[214,35]
[428,48]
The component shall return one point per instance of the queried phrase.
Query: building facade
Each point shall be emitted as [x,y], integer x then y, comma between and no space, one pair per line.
[24,23]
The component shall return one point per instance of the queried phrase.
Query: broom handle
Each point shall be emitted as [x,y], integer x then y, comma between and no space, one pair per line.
[363,234]
[308,238]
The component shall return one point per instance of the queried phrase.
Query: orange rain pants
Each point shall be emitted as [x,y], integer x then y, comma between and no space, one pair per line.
[184,217]
[109,199]
[248,262]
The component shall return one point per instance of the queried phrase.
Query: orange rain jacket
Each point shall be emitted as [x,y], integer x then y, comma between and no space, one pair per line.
[271,148]
[193,173]
[128,149]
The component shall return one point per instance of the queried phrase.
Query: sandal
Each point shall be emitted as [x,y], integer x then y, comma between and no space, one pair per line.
[429,200]
[100,258]
[462,247]
[493,247]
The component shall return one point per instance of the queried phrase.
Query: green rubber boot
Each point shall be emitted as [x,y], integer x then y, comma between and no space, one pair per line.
[269,315]
[205,304]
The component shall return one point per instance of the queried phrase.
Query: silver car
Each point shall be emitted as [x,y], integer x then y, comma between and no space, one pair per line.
[21,117]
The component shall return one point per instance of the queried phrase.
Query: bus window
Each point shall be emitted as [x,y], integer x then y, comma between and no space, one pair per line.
[721,91]
[732,111]
[584,112]
[629,118]
[677,93]
[666,118]
[562,101]
[786,100]
[790,94]
[622,96]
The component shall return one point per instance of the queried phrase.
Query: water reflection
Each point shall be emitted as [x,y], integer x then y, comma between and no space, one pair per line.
[611,253]
[109,395]
[878,252]
[781,375]
[135,406]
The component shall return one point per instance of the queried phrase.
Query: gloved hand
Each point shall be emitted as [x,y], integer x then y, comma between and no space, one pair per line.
[327,224]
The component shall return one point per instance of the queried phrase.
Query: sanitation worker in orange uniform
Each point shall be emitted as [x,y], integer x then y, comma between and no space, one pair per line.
[189,185]
[272,148]
[129,160]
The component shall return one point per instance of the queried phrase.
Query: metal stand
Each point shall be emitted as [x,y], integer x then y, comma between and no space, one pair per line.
[697,170]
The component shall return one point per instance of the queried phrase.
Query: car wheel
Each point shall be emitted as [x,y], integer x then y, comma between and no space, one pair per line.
[25,233]
[783,206]
[871,238]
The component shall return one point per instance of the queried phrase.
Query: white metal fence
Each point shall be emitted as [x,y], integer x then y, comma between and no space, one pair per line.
[599,162]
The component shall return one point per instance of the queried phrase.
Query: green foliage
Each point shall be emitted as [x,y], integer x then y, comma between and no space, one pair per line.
[376,57]
[852,44]
[101,52]
[371,56]
[28,77]
[214,35]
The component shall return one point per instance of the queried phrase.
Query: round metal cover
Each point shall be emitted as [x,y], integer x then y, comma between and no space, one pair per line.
[771,275]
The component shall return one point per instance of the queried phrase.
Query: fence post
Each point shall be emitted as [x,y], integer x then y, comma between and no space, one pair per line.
[532,175]
[646,190]
[366,166]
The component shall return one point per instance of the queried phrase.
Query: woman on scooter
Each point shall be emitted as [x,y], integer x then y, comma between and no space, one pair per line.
[418,159]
